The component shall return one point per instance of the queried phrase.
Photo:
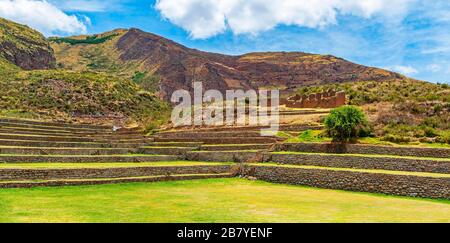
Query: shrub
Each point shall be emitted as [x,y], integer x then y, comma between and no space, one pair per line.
[396,139]
[92,40]
[146,81]
[347,123]
[430,132]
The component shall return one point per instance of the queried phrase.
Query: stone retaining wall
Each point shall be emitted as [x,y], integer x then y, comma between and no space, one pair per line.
[68,144]
[46,138]
[363,149]
[66,134]
[349,161]
[200,134]
[212,140]
[97,173]
[53,124]
[165,150]
[236,147]
[65,151]
[86,159]
[413,186]
[328,99]
[110,181]
[231,156]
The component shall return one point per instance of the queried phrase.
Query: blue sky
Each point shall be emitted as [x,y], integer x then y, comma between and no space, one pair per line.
[408,36]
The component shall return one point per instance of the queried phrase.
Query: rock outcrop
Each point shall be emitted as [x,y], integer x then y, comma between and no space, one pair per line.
[25,47]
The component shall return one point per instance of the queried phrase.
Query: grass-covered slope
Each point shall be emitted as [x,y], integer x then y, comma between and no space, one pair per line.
[98,53]
[24,46]
[369,92]
[64,94]
[92,53]
[6,67]
[402,111]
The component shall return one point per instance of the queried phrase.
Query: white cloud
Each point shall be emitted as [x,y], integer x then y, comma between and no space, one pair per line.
[434,68]
[206,18]
[93,6]
[41,15]
[406,70]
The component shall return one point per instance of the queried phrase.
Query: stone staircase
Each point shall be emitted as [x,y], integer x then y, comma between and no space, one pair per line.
[36,153]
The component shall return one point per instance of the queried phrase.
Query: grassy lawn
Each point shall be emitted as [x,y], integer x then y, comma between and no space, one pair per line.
[219,200]
[317,136]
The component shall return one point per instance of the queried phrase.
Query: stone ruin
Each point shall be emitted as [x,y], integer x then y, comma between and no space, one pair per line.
[328,99]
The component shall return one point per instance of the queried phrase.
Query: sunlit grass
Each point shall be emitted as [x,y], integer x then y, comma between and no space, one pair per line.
[218,200]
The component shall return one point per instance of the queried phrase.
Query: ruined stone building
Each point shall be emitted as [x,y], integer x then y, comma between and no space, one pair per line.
[329,99]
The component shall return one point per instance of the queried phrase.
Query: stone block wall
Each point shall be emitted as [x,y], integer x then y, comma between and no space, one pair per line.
[329,99]
[111,180]
[338,148]
[97,173]
[412,186]
[227,156]
[362,162]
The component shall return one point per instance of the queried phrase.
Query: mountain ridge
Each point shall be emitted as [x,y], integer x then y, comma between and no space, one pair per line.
[31,86]
[179,66]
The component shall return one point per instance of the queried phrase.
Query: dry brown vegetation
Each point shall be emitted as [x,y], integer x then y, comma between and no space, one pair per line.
[401,111]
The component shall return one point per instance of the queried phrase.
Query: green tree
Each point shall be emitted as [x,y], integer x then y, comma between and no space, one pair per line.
[347,123]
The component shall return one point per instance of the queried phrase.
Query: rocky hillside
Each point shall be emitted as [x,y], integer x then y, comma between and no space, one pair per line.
[52,93]
[24,47]
[165,66]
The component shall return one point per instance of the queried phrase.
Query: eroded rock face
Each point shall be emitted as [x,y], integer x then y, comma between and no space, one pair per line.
[39,58]
[25,47]
[180,66]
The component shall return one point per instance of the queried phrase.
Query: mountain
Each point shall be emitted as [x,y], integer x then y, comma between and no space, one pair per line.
[32,87]
[24,47]
[166,66]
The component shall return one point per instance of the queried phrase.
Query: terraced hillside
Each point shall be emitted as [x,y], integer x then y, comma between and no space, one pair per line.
[34,153]
[50,154]
[32,87]
[403,171]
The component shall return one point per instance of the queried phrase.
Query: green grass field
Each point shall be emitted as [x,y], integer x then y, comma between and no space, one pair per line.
[216,200]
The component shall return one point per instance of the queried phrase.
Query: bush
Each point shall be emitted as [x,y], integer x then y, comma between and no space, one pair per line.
[147,82]
[347,123]
[92,40]
[396,139]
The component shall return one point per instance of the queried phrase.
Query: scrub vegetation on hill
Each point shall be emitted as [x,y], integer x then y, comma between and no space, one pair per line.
[28,89]
[92,40]
[66,93]
[402,111]
[97,53]
[408,90]
[24,47]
